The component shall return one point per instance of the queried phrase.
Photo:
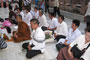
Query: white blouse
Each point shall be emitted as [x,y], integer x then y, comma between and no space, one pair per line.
[81,45]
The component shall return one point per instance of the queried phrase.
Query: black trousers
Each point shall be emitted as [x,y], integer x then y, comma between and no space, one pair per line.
[30,53]
[56,11]
[88,23]
[46,8]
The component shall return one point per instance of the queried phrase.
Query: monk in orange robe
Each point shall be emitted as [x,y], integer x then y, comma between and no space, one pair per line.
[23,32]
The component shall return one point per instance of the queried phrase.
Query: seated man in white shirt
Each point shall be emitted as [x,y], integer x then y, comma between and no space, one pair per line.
[37,44]
[62,29]
[83,44]
[28,16]
[73,33]
[42,19]
[35,13]
[54,22]
[21,13]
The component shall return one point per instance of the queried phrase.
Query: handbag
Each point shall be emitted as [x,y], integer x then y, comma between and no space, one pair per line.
[77,53]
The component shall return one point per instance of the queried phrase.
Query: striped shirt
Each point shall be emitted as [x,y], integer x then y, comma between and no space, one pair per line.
[2,43]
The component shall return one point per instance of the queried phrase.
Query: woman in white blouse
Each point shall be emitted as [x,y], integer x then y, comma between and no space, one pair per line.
[82,42]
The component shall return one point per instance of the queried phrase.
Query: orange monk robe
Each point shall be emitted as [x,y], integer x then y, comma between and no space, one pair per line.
[23,32]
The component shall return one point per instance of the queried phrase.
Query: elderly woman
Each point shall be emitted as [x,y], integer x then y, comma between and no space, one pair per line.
[82,42]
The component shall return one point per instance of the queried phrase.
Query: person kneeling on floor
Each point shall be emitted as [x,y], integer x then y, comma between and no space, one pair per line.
[37,44]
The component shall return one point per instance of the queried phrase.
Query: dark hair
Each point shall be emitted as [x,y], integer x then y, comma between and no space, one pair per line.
[52,14]
[20,16]
[41,10]
[35,21]
[10,7]
[87,29]
[76,22]
[18,9]
[87,17]
[62,17]
[35,8]
[28,8]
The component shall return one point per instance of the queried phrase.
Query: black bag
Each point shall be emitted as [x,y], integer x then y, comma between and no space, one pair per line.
[44,28]
[60,46]
[77,53]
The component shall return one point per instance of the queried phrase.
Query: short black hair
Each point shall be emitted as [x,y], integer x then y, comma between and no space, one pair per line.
[20,16]
[28,8]
[52,14]
[35,8]
[41,10]
[76,22]
[87,29]
[18,9]
[35,21]
[10,7]
[62,17]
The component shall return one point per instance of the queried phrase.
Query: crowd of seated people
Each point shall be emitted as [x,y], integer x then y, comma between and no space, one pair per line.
[31,26]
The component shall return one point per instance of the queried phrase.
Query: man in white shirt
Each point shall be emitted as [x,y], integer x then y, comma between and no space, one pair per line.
[62,29]
[37,44]
[73,33]
[20,13]
[36,13]
[28,16]
[53,23]
[42,19]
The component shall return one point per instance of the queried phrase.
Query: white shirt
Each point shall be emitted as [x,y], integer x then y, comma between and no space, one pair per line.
[56,3]
[23,15]
[71,36]
[88,10]
[28,17]
[36,14]
[43,21]
[81,45]
[53,23]
[62,29]
[38,35]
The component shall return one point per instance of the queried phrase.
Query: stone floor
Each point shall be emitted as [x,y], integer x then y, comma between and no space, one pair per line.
[14,50]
